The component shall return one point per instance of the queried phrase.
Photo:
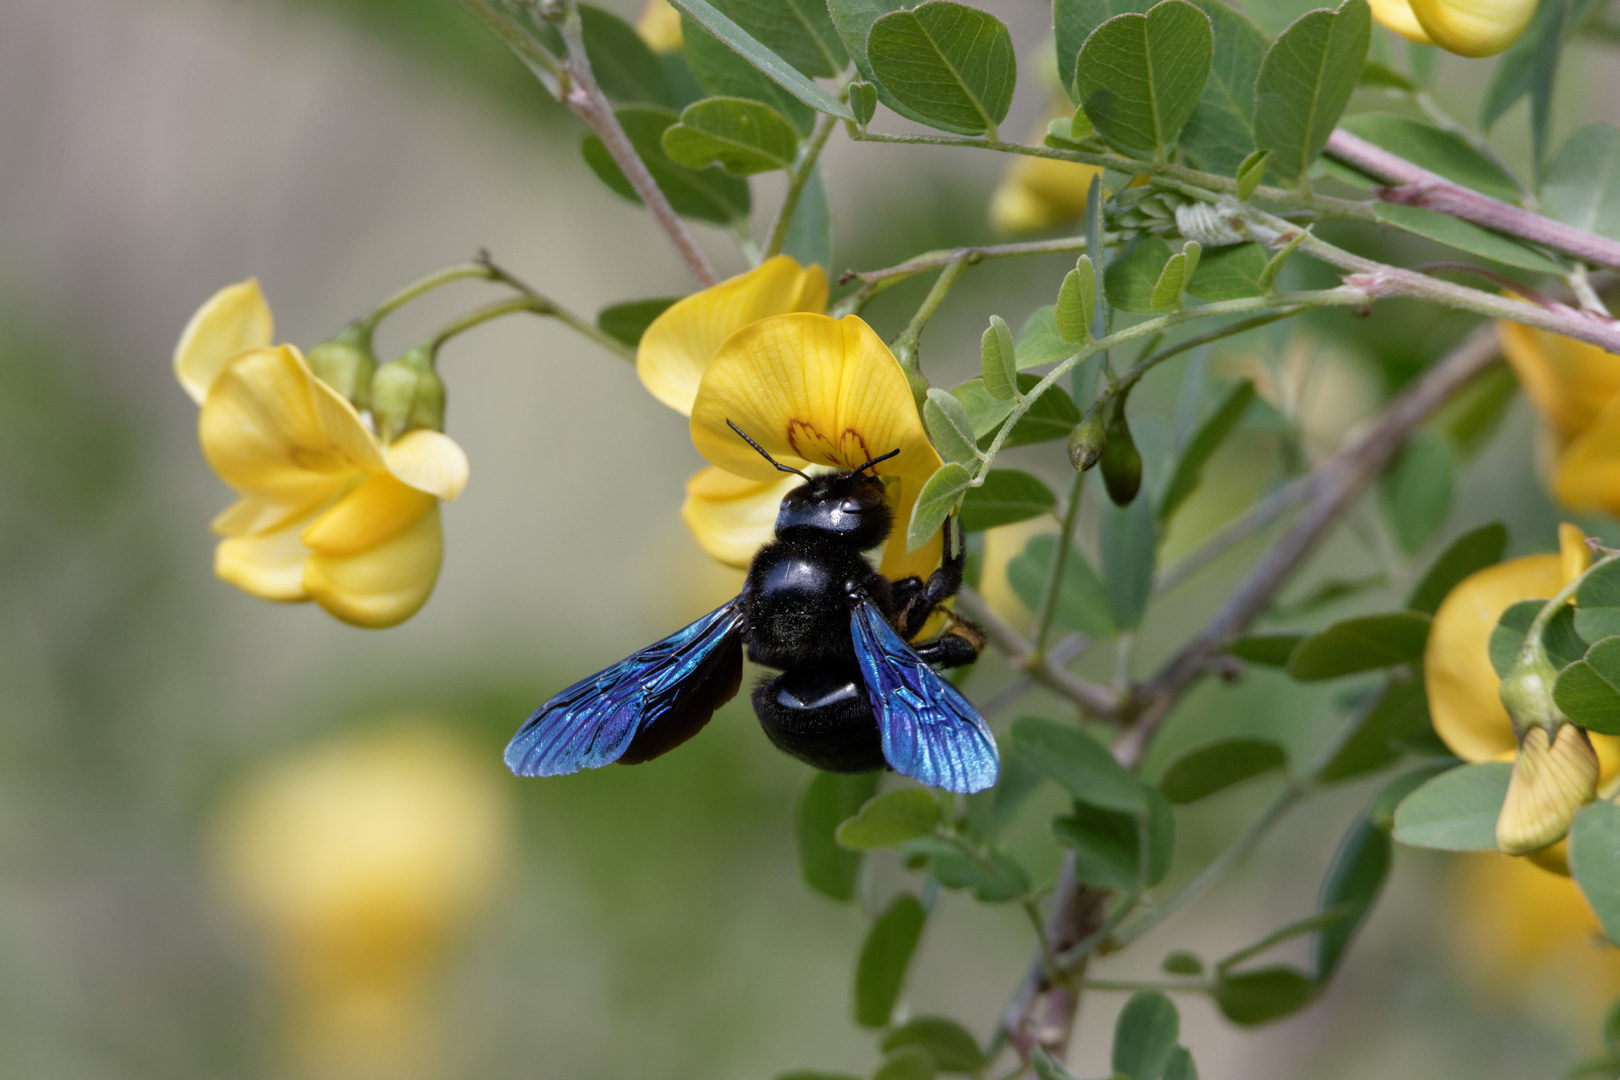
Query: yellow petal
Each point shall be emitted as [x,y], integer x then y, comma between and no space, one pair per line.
[1573,554]
[1552,778]
[1569,382]
[1462,685]
[1474,27]
[1038,193]
[678,345]
[268,565]
[231,322]
[897,562]
[732,516]
[809,389]
[253,514]
[384,585]
[270,428]
[376,511]
[660,27]
[429,461]
[1397,15]
[1586,476]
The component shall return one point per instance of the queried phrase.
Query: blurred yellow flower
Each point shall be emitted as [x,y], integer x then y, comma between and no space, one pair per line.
[359,860]
[660,26]
[1472,28]
[1040,193]
[1576,388]
[327,513]
[1463,688]
[813,390]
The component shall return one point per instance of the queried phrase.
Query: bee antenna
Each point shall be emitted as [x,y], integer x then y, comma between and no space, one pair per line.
[766,455]
[874,461]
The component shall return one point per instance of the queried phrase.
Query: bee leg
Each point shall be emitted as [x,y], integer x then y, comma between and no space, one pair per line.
[942,584]
[956,647]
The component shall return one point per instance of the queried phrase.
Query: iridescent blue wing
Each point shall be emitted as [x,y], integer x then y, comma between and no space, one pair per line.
[931,733]
[646,704]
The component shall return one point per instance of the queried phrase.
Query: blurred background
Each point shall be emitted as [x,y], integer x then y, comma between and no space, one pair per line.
[242,840]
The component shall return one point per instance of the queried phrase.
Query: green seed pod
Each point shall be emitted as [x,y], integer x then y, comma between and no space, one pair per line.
[1121,463]
[1086,442]
[407,394]
[346,364]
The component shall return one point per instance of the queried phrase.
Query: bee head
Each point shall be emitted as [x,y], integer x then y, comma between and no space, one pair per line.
[848,505]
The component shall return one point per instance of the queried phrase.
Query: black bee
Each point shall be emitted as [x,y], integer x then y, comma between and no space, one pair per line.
[853,696]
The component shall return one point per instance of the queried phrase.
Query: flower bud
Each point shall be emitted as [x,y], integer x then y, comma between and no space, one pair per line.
[1086,442]
[406,394]
[1555,771]
[346,364]
[1121,463]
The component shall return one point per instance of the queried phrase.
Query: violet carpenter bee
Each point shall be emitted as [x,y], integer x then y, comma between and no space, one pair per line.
[853,695]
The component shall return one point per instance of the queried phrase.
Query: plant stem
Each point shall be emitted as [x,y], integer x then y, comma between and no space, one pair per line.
[802,168]
[905,346]
[877,281]
[1443,120]
[1060,559]
[423,286]
[1098,700]
[1242,527]
[557,311]
[479,316]
[1131,986]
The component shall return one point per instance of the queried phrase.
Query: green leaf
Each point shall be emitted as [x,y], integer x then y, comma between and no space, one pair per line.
[1139,76]
[1131,278]
[1051,416]
[892,818]
[798,31]
[1074,21]
[1077,299]
[1564,645]
[1305,81]
[1229,273]
[1108,845]
[1457,810]
[708,195]
[1594,861]
[723,73]
[1353,882]
[1007,496]
[1173,278]
[854,19]
[1464,236]
[1438,151]
[1130,545]
[1397,716]
[1038,340]
[1381,811]
[1182,962]
[1469,553]
[998,361]
[1003,879]
[1048,1067]
[1597,600]
[1383,77]
[809,237]
[743,137]
[939,496]
[1582,187]
[774,67]
[1259,997]
[1180,1066]
[813,1074]
[952,65]
[1417,488]
[1250,173]
[827,801]
[1361,644]
[1081,603]
[863,99]
[1205,440]
[1218,766]
[949,426]
[1476,412]
[1079,764]
[1589,690]
[1145,1035]
[1267,650]
[1219,136]
[885,955]
[947,1042]
[629,320]
[990,812]
[625,69]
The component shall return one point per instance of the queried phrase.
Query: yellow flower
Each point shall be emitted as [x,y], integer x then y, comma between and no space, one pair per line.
[1576,388]
[660,27]
[813,390]
[327,513]
[1039,193]
[358,861]
[1463,688]
[1472,28]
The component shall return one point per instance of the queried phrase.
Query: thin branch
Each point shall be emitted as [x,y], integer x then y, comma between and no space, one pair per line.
[1416,186]
[1095,699]
[1060,557]
[496,272]
[905,346]
[1239,529]
[797,178]
[877,281]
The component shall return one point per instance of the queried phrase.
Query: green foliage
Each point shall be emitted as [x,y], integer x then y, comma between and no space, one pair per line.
[626,70]
[1354,880]
[952,65]
[1597,602]
[1201,446]
[1130,544]
[1145,1036]
[764,59]
[1219,136]
[906,1063]
[1007,496]
[1218,766]
[810,232]
[1132,277]
[629,320]
[1383,728]
[829,799]
[1457,810]
[1360,644]
[947,1042]
[1229,273]
[1305,81]
[1121,463]
[1464,236]
[1140,76]
[1173,278]
[940,495]
[998,361]
[1469,553]
[1126,852]
[1079,764]
[1259,997]
[992,875]
[1051,416]
[1077,301]
[725,73]
[1438,151]
[708,195]
[1594,861]
[890,819]
[949,426]
[1563,644]
[798,31]
[1267,650]
[1588,691]
[1079,602]
[885,956]
[1417,490]
[743,137]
